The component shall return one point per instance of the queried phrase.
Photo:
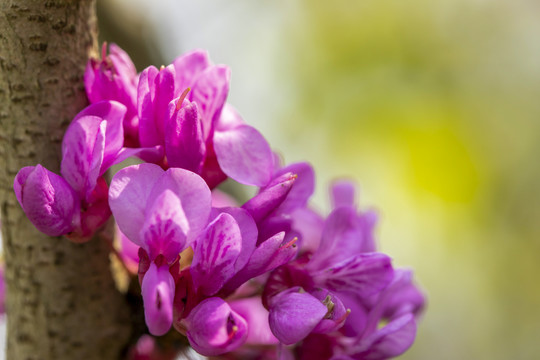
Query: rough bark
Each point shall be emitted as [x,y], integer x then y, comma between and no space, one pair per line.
[61,298]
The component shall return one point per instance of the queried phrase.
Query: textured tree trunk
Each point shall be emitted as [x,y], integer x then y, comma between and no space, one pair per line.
[61,299]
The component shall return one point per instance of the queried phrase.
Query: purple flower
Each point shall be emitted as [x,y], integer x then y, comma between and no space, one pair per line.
[338,268]
[161,211]
[48,200]
[182,107]
[214,328]
[114,77]
[363,289]
[92,144]
[398,305]
[76,203]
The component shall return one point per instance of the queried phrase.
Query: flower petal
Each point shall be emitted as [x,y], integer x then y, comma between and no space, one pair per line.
[341,238]
[244,155]
[363,274]
[156,91]
[336,314]
[194,196]
[128,195]
[267,256]
[148,132]
[78,152]
[210,91]
[229,119]
[113,113]
[214,329]
[343,193]
[158,294]
[390,341]
[184,143]
[248,229]
[266,201]
[165,228]
[293,315]
[215,254]
[303,188]
[48,200]
[188,66]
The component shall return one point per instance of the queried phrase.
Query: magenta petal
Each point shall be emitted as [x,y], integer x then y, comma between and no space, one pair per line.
[165,229]
[164,93]
[244,155]
[249,232]
[336,315]
[91,144]
[148,133]
[303,188]
[194,196]
[342,237]
[343,193]
[390,341]
[262,204]
[20,181]
[188,66]
[357,319]
[215,254]
[96,162]
[78,151]
[294,314]
[114,77]
[252,310]
[122,63]
[48,200]
[229,119]
[155,92]
[210,91]
[270,254]
[309,225]
[158,294]
[363,274]
[128,195]
[184,143]
[214,329]
[113,112]
[401,296]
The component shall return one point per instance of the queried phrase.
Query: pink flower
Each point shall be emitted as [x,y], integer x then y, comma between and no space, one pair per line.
[114,78]
[201,133]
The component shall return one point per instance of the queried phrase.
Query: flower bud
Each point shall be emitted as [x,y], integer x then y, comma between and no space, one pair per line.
[48,200]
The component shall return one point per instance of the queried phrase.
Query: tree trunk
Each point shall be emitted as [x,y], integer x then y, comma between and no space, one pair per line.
[61,299]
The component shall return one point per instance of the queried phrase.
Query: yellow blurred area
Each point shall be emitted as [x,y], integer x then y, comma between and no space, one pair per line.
[432,106]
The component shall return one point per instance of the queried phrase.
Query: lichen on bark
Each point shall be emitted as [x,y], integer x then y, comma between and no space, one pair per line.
[61,299]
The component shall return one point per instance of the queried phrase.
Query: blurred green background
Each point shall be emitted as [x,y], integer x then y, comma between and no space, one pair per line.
[430,105]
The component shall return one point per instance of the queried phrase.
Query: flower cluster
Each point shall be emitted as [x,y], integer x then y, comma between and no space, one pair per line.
[270,278]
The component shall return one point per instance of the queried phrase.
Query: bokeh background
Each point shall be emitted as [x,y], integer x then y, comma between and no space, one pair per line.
[431,106]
